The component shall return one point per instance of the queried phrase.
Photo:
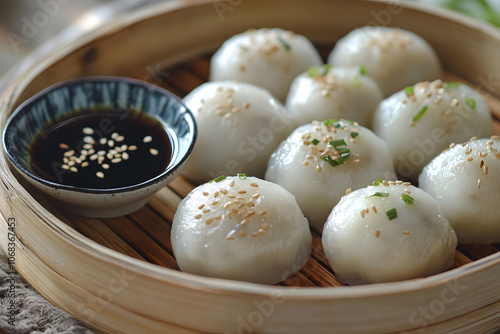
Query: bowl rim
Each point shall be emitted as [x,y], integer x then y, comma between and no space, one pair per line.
[21,110]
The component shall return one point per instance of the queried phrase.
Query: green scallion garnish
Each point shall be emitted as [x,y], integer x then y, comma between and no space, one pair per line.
[409,90]
[407,199]
[451,85]
[284,43]
[345,155]
[242,176]
[392,214]
[362,70]
[470,102]
[315,142]
[218,179]
[420,114]
[377,182]
[331,121]
[354,134]
[337,143]
[313,71]
[356,81]
[326,69]
[379,194]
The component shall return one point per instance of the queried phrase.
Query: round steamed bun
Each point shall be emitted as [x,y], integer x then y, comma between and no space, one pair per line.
[385,233]
[270,58]
[465,182]
[241,228]
[420,121]
[356,158]
[393,57]
[239,126]
[338,92]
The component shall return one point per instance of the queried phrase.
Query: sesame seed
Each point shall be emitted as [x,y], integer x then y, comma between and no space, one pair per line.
[242,192]
[223,191]
[485,168]
[147,139]
[249,214]
[407,191]
[385,183]
[377,233]
[85,164]
[71,163]
[306,163]
[374,208]
[231,184]
[490,142]
[256,196]
[205,193]
[87,146]
[125,156]
[216,194]
[114,135]
[406,232]
[318,168]
[214,202]
[93,157]
[69,153]
[254,185]
[209,221]
[244,222]
[470,159]
[243,233]
[111,143]
[250,204]
[201,206]
[307,142]
[63,146]
[479,183]
[100,175]
[198,216]
[452,145]
[105,166]
[228,238]
[116,160]
[241,205]
[356,161]
[481,164]
[473,138]
[65,167]
[468,150]
[103,141]
[101,153]
[132,148]
[483,154]
[398,182]
[348,191]
[454,103]
[495,137]
[363,213]
[153,151]
[255,234]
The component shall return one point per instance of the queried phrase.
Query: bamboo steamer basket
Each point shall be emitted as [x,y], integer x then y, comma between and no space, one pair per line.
[119,275]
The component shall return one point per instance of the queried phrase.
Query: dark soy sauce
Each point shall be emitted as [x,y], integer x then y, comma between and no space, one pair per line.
[102,149]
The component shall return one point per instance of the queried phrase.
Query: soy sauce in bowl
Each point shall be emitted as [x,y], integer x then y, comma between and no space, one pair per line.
[101,149]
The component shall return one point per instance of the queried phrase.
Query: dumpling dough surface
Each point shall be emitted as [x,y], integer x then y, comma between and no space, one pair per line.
[465,180]
[393,57]
[239,126]
[269,58]
[338,92]
[243,229]
[373,235]
[298,165]
[420,121]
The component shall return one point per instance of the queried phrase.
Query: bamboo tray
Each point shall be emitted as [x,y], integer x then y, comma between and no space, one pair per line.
[119,275]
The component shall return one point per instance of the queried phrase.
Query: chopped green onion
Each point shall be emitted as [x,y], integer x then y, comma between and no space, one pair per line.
[354,134]
[378,182]
[407,199]
[356,81]
[315,142]
[420,114]
[409,90]
[242,176]
[470,102]
[218,179]
[326,69]
[392,214]
[337,143]
[313,72]
[362,70]
[345,155]
[451,85]
[379,194]
[285,43]
[331,121]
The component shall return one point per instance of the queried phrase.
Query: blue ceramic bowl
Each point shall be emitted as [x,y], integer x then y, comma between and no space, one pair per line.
[99,93]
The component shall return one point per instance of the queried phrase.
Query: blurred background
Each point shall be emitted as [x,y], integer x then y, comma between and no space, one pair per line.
[35,27]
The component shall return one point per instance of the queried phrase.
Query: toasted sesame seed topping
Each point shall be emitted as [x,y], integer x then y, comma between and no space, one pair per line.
[100,175]
[377,233]
[479,183]
[244,222]
[198,216]
[318,168]
[69,153]
[255,196]
[147,139]
[254,184]
[485,169]
[473,138]
[153,151]
[306,163]
[261,213]
[481,164]
[205,193]
[495,137]
[348,191]
[105,166]
[406,232]
[65,167]
[132,148]
[374,208]
[242,192]
[209,221]
[362,212]
[470,159]
[231,184]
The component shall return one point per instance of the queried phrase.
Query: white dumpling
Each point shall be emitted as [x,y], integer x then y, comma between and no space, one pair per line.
[338,92]
[356,157]
[393,57]
[270,58]
[241,228]
[465,181]
[420,121]
[239,126]
[389,232]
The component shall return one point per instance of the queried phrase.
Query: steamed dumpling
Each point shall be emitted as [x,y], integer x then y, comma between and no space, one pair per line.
[393,57]
[241,228]
[269,58]
[338,92]
[389,232]
[420,121]
[239,126]
[465,181]
[319,161]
